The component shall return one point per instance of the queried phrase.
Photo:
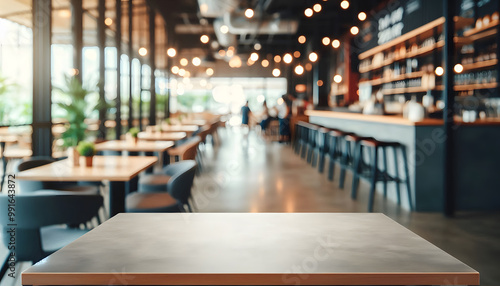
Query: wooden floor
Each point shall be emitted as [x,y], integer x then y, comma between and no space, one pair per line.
[248,174]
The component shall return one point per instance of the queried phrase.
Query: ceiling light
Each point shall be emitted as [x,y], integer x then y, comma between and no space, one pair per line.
[287,58]
[108,21]
[250,62]
[65,13]
[344,4]
[209,71]
[171,52]
[299,69]
[308,12]
[319,83]
[143,51]
[302,39]
[249,13]
[335,43]
[276,72]
[296,54]
[309,67]
[235,62]
[204,39]
[313,57]
[222,53]
[354,30]
[175,69]
[254,57]
[317,8]
[184,62]
[257,46]
[230,53]
[458,68]
[196,61]
[277,58]
[362,16]
[265,63]
[325,41]
[224,29]
[337,78]
[439,71]
[182,72]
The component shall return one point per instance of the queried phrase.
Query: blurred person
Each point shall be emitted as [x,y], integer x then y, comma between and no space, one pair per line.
[245,114]
[264,117]
[284,109]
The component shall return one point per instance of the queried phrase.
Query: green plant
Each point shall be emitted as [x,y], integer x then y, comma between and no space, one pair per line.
[77,108]
[167,121]
[134,132]
[86,148]
[5,87]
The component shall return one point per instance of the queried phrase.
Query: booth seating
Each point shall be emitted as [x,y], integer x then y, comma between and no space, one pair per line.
[369,169]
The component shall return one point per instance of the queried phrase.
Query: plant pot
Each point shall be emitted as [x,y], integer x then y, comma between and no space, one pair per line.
[88,160]
[136,140]
[73,156]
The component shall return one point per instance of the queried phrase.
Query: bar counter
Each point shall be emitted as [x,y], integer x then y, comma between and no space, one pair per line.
[477,143]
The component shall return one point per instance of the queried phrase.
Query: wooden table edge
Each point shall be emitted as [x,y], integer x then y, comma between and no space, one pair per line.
[414,278]
[99,147]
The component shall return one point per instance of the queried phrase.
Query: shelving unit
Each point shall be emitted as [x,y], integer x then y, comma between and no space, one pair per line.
[480,65]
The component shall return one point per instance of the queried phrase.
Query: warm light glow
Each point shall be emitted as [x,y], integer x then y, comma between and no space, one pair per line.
[287,58]
[296,54]
[265,63]
[309,67]
[344,4]
[313,57]
[276,72]
[335,44]
[280,102]
[439,71]
[337,78]
[317,8]
[277,58]
[222,53]
[299,69]
[182,72]
[143,51]
[65,13]
[171,52]
[257,46]
[302,39]
[458,68]
[319,83]
[308,12]
[175,69]
[325,41]
[224,29]
[204,39]
[362,16]
[354,30]
[209,72]
[250,62]
[249,13]
[196,61]
[184,62]
[235,62]
[108,21]
[230,53]
[73,72]
[254,57]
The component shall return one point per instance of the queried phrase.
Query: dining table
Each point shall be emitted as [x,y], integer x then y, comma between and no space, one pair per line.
[162,136]
[250,249]
[118,170]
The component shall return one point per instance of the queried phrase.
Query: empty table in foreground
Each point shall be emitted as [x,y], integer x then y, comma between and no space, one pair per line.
[250,249]
[162,136]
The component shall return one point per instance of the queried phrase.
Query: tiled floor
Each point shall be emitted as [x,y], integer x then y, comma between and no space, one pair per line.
[248,174]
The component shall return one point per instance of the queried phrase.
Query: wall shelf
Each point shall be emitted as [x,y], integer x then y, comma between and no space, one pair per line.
[379,81]
[465,87]
[476,31]
[480,65]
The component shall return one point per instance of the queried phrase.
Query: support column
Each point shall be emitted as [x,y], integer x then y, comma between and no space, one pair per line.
[449,101]
[130,58]
[167,101]
[42,103]
[77,35]
[152,64]
[118,43]
[101,42]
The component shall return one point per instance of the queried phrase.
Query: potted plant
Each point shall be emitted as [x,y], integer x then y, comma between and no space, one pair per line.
[86,149]
[134,133]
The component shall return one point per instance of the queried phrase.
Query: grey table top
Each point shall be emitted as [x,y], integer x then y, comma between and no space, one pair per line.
[250,249]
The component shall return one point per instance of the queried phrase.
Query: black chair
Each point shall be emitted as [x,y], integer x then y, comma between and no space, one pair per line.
[173,197]
[26,186]
[335,141]
[370,170]
[39,219]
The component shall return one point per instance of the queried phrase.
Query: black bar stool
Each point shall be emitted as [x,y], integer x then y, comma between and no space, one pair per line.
[351,141]
[321,149]
[296,139]
[370,170]
[335,141]
[311,141]
[304,138]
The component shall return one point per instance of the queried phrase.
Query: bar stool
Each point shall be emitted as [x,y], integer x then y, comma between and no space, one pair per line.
[297,138]
[321,148]
[351,141]
[370,170]
[311,141]
[335,140]
[304,138]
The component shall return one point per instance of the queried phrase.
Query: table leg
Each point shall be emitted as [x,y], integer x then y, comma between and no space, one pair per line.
[4,164]
[150,169]
[116,198]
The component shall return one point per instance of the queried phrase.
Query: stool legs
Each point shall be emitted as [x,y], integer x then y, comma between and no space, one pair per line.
[305,138]
[343,164]
[373,179]
[331,162]
[396,174]
[385,171]
[407,178]
[358,157]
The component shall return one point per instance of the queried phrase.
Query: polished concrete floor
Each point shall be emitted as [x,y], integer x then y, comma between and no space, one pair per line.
[246,173]
[249,174]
